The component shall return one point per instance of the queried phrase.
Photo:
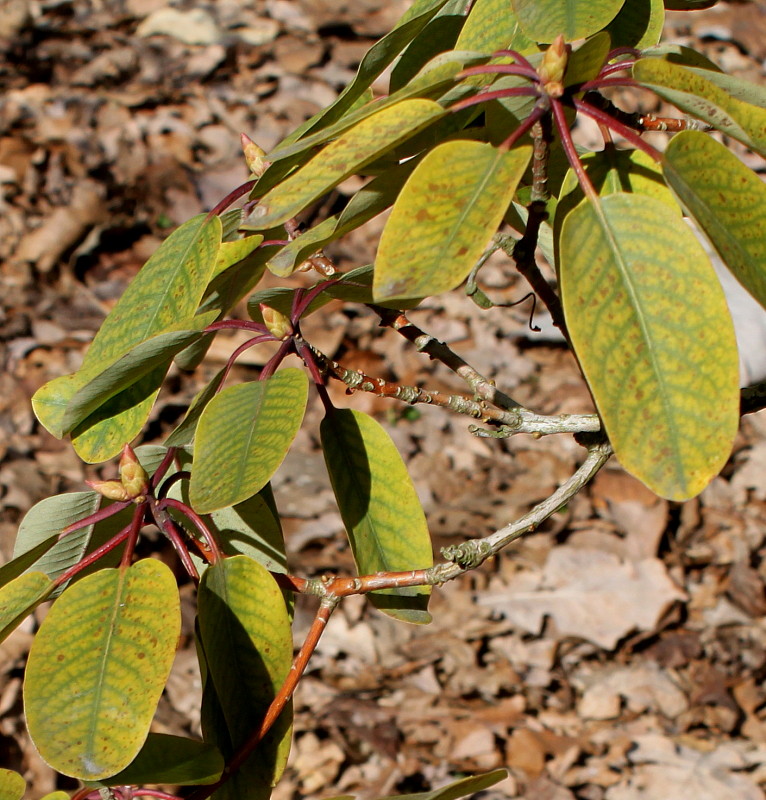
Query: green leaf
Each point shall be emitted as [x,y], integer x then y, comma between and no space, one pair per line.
[367,203]
[380,508]
[460,788]
[544,20]
[56,796]
[726,199]
[699,96]
[20,597]
[444,217]
[125,372]
[638,24]
[343,157]
[492,25]
[45,521]
[12,785]
[678,54]
[98,666]
[242,437]
[650,326]
[170,760]
[245,633]
[377,58]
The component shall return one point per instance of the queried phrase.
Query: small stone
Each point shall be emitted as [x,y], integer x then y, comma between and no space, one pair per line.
[190,27]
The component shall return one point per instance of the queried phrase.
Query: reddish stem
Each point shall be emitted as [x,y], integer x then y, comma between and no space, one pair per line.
[135,530]
[233,195]
[171,481]
[215,549]
[167,460]
[91,558]
[499,69]
[301,304]
[537,112]
[598,83]
[297,669]
[165,523]
[240,324]
[622,51]
[610,68]
[571,152]
[496,94]
[96,516]
[617,127]
[238,352]
[516,56]
[270,367]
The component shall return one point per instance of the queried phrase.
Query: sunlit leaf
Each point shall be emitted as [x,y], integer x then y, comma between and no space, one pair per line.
[444,217]
[650,326]
[245,632]
[726,199]
[379,506]
[12,785]
[242,437]
[544,20]
[492,25]
[343,157]
[97,668]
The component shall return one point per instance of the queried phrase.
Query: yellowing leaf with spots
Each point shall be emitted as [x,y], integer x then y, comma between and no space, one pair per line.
[373,136]
[544,20]
[650,326]
[98,666]
[726,199]
[444,218]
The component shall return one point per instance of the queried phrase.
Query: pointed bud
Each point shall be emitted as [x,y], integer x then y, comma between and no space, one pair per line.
[132,475]
[554,66]
[112,490]
[254,156]
[278,324]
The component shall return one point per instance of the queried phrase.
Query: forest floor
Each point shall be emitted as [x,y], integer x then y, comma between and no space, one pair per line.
[618,653]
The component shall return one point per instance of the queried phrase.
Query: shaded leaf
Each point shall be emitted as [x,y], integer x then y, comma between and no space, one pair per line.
[343,157]
[585,62]
[170,759]
[726,199]
[97,668]
[652,331]
[45,521]
[231,253]
[544,20]
[245,633]
[379,506]
[444,217]
[638,24]
[242,437]
[20,597]
[700,97]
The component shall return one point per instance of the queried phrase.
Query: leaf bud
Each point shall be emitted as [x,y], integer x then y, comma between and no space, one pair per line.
[132,475]
[254,156]
[278,324]
[112,490]
[554,66]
